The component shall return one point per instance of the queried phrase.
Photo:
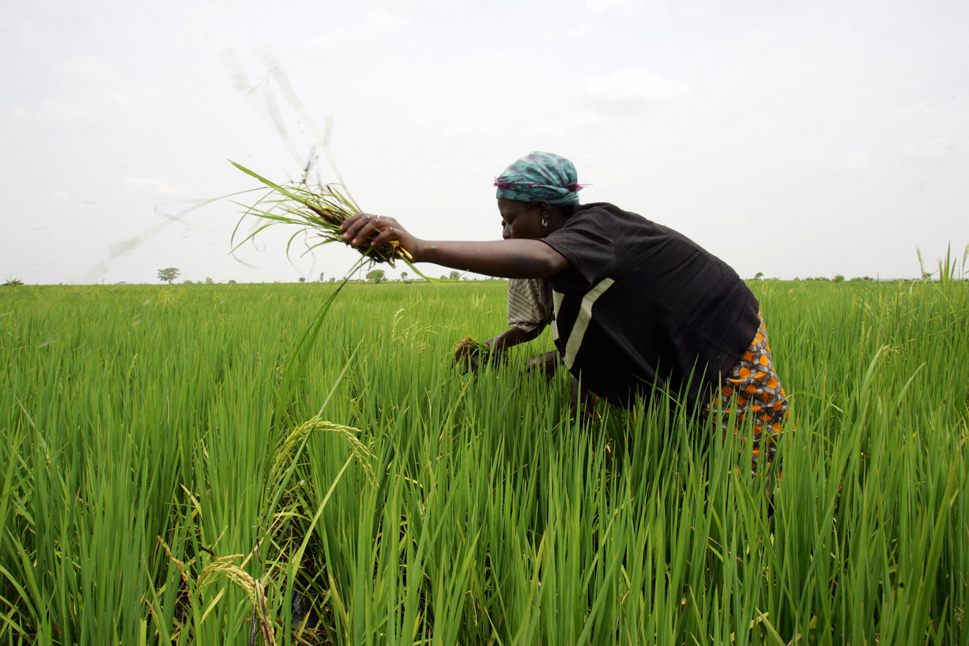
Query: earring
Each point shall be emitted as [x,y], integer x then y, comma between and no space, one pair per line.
[544,222]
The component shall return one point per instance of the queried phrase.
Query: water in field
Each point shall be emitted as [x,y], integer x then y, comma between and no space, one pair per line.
[178,470]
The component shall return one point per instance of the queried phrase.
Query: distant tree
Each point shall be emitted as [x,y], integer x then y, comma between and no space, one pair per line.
[188,282]
[232,282]
[376,276]
[403,276]
[169,275]
[759,275]
[13,282]
[332,278]
[453,275]
[321,276]
[302,280]
[209,281]
[838,278]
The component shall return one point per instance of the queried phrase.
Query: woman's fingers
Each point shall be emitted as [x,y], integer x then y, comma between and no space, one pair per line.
[364,230]
[352,225]
[359,228]
[360,231]
[389,234]
[354,221]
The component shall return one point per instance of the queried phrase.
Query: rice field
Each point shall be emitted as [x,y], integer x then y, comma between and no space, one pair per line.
[184,465]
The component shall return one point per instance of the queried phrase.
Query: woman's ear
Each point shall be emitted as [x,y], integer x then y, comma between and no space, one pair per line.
[543,209]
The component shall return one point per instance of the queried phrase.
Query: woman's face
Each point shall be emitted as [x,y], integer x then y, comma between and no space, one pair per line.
[521,219]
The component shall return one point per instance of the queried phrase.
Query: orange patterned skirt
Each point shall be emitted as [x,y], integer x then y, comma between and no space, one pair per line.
[753,386]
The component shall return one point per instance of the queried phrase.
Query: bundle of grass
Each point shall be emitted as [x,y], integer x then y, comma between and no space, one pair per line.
[470,353]
[317,210]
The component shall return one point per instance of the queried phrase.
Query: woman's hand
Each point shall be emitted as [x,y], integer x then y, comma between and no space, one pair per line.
[470,355]
[364,230]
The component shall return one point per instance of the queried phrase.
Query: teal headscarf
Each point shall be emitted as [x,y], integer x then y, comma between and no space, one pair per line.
[540,176]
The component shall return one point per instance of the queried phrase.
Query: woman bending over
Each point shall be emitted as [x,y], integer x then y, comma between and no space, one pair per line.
[636,305]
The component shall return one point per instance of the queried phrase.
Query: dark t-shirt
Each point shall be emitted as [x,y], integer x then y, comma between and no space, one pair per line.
[642,306]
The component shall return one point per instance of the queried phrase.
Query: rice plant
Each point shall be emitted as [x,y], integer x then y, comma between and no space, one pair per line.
[177,473]
[316,210]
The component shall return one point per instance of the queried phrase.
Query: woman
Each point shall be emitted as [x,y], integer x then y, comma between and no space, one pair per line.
[637,306]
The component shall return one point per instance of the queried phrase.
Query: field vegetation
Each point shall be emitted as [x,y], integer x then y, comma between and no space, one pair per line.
[182,465]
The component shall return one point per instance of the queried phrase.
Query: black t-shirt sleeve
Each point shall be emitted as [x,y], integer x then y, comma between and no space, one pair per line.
[585,243]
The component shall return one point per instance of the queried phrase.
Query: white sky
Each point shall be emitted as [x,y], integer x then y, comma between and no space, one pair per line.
[789,138]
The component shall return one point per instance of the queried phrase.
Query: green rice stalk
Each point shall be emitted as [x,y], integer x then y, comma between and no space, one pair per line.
[319,211]
[495,519]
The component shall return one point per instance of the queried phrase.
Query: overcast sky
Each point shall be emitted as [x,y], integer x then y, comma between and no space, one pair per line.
[789,138]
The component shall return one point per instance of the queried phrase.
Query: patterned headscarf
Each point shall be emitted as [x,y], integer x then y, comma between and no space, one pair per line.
[540,176]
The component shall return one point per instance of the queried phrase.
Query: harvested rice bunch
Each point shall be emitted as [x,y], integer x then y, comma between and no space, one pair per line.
[319,210]
[469,353]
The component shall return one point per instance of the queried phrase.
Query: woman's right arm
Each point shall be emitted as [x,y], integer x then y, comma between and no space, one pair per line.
[517,258]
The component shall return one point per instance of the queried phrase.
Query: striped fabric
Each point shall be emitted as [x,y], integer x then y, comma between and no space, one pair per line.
[529,304]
